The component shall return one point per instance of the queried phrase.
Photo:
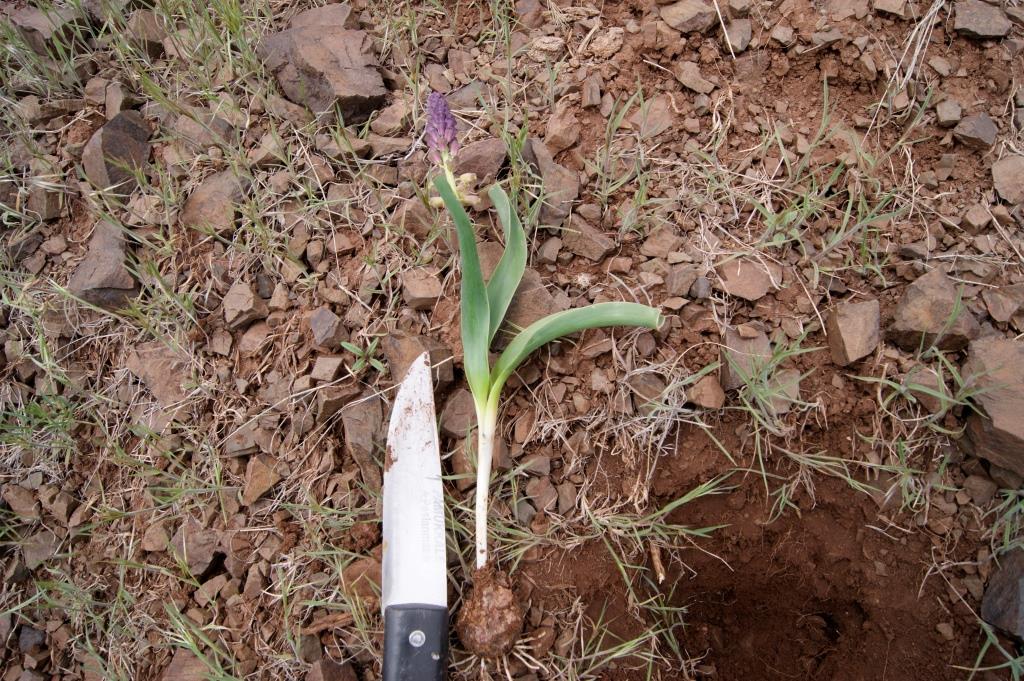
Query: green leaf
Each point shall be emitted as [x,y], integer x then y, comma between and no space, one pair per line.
[562,324]
[509,272]
[476,318]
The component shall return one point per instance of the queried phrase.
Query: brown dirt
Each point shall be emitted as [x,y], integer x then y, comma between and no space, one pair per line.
[491,618]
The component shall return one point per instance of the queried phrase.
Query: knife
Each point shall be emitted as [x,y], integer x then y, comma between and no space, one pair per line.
[414,592]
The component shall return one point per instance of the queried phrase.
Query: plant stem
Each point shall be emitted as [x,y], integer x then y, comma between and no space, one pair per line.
[487,420]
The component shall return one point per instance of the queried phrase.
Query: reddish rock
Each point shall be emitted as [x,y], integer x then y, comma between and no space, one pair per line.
[931,313]
[583,239]
[707,393]
[421,287]
[320,63]
[1008,178]
[213,205]
[401,350]
[743,357]
[852,330]
[484,158]
[746,278]
[995,370]
[116,152]
[688,16]
[102,278]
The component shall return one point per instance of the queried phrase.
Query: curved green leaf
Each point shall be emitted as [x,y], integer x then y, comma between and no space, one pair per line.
[475,315]
[509,272]
[562,324]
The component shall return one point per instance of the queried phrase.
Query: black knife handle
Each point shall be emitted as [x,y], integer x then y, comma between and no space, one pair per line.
[415,642]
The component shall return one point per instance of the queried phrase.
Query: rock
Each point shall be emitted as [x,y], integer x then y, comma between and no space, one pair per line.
[976,218]
[458,415]
[742,358]
[39,548]
[201,129]
[547,253]
[242,305]
[542,493]
[421,287]
[185,666]
[1002,606]
[115,152]
[931,313]
[744,278]
[269,152]
[327,368]
[980,20]
[977,131]
[586,241]
[995,370]
[648,389]
[327,328]
[894,7]
[785,390]
[661,242]
[680,279]
[21,501]
[195,545]
[326,669]
[101,278]
[31,641]
[707,393]
[362,421]
[654,117]
[981,489]
[155,538]
[164,371]
[484,158]
[688,73]
[147,31]
[563,129]
[387,146]
[783,34]
[948,113]
[401,351]
[260,476]
[321,64]
[561,185]
[532,301]
[738,33]
[213,204]
[1008,178]
[393,119]
[928,388]
[362,577]
[688,16]
[42,29]
[852,330]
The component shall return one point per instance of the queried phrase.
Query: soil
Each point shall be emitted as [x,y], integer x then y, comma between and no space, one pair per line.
[491,619]
[869,564]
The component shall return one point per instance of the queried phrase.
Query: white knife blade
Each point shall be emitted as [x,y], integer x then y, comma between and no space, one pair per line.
[414,565]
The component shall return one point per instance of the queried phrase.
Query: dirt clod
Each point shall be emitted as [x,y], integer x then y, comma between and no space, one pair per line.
[491,617]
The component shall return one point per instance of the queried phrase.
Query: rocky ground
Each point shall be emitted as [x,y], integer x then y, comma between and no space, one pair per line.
[221,256]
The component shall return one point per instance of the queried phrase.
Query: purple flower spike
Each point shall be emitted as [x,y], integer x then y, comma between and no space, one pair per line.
[440,131]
